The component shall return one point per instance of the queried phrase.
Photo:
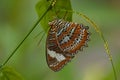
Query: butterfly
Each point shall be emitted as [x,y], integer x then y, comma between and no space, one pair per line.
[63,41]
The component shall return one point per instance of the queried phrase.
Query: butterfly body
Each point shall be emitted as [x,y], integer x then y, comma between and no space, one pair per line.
[64,40]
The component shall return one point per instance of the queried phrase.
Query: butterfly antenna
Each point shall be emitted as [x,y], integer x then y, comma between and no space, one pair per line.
[56,12]
[64,17]
[38,34]
[41,38]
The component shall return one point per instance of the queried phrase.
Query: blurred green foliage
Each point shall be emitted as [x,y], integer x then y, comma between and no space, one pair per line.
[54,13]
[16,19]
[8,73]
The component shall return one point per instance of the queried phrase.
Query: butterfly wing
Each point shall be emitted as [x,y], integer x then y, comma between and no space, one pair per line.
[72,37]
[63,41]
[54,55]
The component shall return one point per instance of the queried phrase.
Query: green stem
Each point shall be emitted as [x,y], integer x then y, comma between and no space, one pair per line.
[25,37]
[114,70]
[97,29]
[105,42]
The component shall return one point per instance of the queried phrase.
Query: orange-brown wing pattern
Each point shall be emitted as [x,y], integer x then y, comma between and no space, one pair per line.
[63,41]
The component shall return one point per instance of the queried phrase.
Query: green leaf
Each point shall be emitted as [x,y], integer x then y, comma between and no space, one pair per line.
[55,12]
[8,73]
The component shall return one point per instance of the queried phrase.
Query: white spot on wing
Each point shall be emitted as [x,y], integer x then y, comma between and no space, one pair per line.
[58,56]
[72,31]
[66,39]
[59,32]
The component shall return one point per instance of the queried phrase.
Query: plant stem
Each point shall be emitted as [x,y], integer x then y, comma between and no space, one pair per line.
[115,74]
[96,27]
[6,61]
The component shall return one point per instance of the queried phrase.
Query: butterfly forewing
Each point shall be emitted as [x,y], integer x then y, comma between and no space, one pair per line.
[63,41]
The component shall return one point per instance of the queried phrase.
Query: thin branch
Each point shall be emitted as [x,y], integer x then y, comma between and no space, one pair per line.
[34,26]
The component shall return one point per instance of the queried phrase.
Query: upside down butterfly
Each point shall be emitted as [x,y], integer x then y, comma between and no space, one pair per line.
[64,40]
